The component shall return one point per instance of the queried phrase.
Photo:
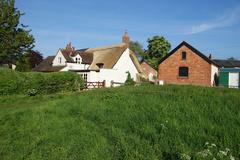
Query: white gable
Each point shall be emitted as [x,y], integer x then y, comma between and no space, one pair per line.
[125,64]
[59,59]
[77,59]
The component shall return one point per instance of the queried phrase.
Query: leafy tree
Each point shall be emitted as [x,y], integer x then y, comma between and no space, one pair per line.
[29,60]
[23,63]
[136,47]
[35,58]
[158,47]
[14,37]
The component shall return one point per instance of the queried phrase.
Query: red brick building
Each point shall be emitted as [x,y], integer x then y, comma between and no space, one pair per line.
[187,65]
[148,72]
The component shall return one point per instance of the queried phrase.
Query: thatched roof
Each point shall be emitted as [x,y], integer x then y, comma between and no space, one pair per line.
[107,57]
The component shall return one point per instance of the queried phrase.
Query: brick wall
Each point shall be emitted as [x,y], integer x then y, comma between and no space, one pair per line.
[199,70]
[147,69]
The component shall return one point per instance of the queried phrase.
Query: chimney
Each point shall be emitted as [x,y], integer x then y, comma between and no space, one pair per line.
[69,47]
[126,39]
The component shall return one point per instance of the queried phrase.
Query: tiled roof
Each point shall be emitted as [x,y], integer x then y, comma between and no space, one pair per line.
[227,63]
[46,66]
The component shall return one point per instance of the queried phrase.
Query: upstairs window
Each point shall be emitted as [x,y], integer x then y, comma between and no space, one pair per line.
[183,71]
[184,55]
[60,60]
[100,65]
[78,60]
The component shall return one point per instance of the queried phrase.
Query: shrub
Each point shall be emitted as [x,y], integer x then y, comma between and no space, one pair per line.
[129,81]
[12,82]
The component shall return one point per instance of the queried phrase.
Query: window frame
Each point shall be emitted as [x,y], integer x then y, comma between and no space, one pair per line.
[60,60]
[184,55]
[183,73]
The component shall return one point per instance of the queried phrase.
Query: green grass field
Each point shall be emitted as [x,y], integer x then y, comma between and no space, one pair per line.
[145,122]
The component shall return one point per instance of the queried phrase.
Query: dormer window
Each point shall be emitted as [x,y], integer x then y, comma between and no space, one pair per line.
[78,60]
[184,55]
[60,60]
[100,65]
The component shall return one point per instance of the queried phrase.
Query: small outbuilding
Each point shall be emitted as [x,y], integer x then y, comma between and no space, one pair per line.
[229,77]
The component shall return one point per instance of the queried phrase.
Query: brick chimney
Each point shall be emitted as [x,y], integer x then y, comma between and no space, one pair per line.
[126,39]
[69,47]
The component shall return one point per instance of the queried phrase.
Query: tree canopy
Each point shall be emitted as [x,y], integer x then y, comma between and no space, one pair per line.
[158,47]
[29,60]
[15,38]
[137,47]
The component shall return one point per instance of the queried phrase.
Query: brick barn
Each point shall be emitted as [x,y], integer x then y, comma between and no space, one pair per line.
[187,65]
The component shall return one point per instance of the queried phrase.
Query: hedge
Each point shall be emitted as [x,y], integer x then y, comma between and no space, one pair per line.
[13,82]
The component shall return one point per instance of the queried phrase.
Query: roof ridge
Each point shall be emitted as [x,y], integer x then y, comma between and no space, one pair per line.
[200,54]
[107,47]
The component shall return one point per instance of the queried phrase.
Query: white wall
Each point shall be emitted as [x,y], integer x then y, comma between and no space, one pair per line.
[125,64]
[56,61]
[77,56]
[75,66]
[118,73]
[214,70]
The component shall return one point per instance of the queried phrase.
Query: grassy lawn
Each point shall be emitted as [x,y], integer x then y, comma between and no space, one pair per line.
[146,122]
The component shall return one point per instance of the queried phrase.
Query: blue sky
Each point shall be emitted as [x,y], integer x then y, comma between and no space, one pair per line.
[211,26]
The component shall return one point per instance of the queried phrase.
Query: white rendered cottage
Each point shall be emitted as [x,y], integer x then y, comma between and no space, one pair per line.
[109,64]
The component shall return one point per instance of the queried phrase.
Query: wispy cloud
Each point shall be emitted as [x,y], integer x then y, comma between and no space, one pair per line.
[225,20]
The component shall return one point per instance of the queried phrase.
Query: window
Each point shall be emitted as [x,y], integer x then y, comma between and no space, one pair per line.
[60,60]
[184,55]
[78,60]
[183,71]
[84,76]
[100,65]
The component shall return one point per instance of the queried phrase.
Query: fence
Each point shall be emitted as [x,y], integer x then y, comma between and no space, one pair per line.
[92,85]
[116,83]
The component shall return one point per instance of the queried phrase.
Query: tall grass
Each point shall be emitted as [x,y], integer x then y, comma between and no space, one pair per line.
[146,122]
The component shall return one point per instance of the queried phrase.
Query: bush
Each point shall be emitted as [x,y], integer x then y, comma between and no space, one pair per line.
[12,82]
[129,81]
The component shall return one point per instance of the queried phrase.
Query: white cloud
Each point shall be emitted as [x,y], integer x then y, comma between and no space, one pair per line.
[226,20]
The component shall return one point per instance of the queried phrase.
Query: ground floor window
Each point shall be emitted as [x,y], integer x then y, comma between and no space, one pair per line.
[84,76]
[183,71]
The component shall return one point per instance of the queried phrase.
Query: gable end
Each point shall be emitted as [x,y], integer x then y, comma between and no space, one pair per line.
[191,48]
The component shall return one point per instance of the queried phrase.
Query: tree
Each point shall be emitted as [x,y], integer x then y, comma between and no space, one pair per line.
[23,63]
[232,58]
[158,47]
[28,61]
[136,47]
[35,58]
[14,37]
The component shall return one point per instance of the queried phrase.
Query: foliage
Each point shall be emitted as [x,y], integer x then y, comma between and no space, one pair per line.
[232,58]
[32,92]
[129,81]
[158,47]
[22,64]
[14,37]
[12,82]
[210,151]
[28,61]
[35,58]
[136,47]
[145,122]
